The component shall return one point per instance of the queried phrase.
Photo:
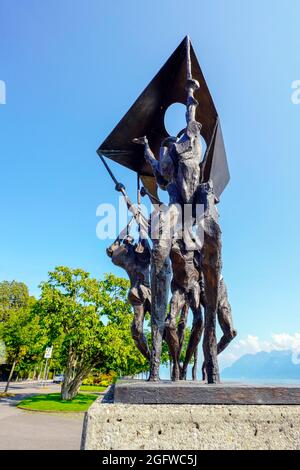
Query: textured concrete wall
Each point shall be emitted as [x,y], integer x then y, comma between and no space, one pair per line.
[180,427]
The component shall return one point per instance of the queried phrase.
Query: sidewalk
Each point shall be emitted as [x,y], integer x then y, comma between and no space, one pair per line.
[21,429]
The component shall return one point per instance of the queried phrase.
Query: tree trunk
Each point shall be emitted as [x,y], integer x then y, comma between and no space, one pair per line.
[73,378]
[40,376]
[10,376]
[66,385]
[71,384]
[70,390]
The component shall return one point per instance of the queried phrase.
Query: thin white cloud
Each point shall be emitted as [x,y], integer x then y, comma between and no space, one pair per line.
[252,344]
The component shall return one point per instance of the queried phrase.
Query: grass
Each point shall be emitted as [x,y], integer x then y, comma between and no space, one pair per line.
[53,402]
[92,388]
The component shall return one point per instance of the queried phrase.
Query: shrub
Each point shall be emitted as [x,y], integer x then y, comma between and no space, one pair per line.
[99,378]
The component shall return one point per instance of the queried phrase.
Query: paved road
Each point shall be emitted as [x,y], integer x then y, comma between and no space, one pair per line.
[21,429]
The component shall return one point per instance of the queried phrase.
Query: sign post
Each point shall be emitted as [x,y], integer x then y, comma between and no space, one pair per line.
[47,356]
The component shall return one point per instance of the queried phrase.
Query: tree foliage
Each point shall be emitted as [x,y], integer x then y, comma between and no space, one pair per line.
[89,320]
[22,336]
[13,296]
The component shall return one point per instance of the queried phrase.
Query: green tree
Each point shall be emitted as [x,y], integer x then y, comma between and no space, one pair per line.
[123,357]
[2,352]
[22,336]
[90,320]
[13,296]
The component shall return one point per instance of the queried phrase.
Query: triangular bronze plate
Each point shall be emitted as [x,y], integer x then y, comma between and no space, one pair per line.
[146,117]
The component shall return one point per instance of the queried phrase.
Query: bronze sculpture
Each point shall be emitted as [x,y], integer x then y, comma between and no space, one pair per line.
[185,294]
[126,254]
[177,171]
[224,317]
[176,164]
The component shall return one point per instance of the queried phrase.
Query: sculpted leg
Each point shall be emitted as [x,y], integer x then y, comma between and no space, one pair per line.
[182,324]
[137,331]
[171,336]
[211,265]
[195,365]
[225,322]
[225,318]
[197,328]
[160,281]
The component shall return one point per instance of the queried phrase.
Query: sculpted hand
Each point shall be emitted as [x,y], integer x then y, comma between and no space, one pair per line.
[140,140]
[192,83]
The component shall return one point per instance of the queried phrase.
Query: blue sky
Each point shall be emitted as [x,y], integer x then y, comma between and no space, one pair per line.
[72,68]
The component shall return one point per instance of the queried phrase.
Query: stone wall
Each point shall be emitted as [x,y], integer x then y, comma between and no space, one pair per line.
[110,426]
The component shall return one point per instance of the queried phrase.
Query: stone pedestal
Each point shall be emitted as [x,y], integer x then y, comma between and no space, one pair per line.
[199,393]
[191,427]
[118,426]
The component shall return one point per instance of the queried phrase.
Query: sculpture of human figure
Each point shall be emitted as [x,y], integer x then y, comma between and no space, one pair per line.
[136,262]
[211,266]
[181,329]
[185,289]
[177,171]
[224,316]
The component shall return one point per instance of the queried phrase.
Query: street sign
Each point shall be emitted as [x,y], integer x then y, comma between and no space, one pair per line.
[48,353]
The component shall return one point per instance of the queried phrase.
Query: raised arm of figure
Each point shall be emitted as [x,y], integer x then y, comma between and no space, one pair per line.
[138,216]
[149,155]
[191,102]
[110,249]
[209,200]
[191,86]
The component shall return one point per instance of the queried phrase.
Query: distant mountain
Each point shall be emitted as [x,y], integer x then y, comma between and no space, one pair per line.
[263,365]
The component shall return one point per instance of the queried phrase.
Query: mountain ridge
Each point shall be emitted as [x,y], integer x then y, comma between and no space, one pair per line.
[276,364]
